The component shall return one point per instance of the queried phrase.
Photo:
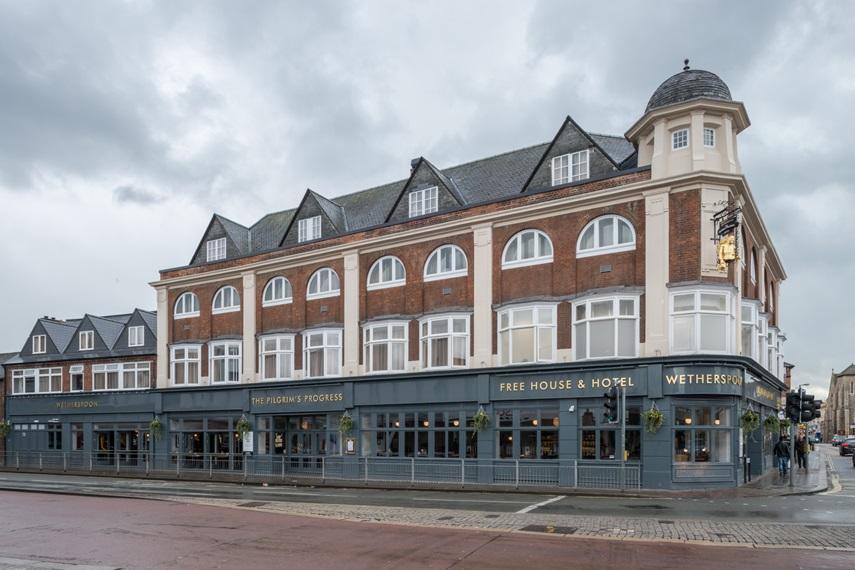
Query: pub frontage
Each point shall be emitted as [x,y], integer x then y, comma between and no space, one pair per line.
[549,417]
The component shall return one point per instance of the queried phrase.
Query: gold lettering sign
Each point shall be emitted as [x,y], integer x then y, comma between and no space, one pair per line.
[731,379]
[77,404]
[761,392]
[566,385]
[297,399]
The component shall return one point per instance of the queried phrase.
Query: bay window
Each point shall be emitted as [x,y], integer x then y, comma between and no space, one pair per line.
[225,361]
[606,328]
[444,341]
[185,364]
[322,353]
[527,334]
[701,321]
[276,357]
[385,347]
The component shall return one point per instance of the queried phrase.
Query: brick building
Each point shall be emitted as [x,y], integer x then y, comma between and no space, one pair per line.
[838,414]
[522,285]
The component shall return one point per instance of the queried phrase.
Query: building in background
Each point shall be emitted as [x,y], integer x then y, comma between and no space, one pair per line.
[3,358]
[838,416]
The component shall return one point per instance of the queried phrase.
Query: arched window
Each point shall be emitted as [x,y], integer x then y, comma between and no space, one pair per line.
[186,306]
[606,234]
[445,261]
[529,247]
[386,272]
[277,292]
[323,283]
[226,300]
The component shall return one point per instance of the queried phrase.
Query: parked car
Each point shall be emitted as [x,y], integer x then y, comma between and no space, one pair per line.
[846,446]
[835,441]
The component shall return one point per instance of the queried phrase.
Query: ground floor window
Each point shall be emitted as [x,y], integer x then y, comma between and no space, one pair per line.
[76,437]
[125,443]
[600,440]
[54,434]
[207,442]
[702,434]
[304,435]
[420,433]
[527,433]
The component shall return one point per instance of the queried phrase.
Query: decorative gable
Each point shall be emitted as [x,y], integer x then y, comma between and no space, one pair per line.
[236,236]
[561,154]
[99,344]
[149,344]
[333,220]
[418,197]
[50,343]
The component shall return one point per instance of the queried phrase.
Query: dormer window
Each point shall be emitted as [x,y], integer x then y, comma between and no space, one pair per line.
[309,229]
[87,340]
[680,139]
[39,344]
[136,336]
[424,202]
[216,249]
[570,167]
[709,137]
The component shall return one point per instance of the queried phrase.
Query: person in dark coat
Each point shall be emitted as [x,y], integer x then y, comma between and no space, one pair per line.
[782,455]
[802,450]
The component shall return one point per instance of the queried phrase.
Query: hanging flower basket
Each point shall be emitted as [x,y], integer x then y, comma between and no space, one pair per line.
[5,428]
[242,426]
[481,420]
[750,421]
[772,423]
[653,419]
[345,423]
[155,427]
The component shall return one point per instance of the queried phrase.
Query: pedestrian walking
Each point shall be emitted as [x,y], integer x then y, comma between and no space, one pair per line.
[803,448]
[782,456]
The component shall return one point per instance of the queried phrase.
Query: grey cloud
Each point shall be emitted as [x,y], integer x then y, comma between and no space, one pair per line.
[129,194]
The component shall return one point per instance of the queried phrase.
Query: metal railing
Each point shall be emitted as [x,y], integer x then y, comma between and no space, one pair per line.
[277,468]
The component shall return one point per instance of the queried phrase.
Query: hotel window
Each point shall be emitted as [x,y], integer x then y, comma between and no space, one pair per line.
[226,300]
[216,249]
[527,433]
[76,373]
[39,344]
[445,341]
[276,357]
[709,137]
[420,433]
[37,381]
[600,440]
[529,247]
[136,336]
[702,434]
[136,375]
[749,330]
[322,353]
[385,347]
[424,201]
[185,364]
[527,334]
[105,376]
[445,262]
[187,306]
[324,283]
[86,340]
[225,362]
[386,272]
[570,167]
[608,234]
[605,328]
[309,229]
[680,139]
[277,292]
[701,322]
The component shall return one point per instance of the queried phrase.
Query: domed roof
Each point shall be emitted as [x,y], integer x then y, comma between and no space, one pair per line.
[687,85]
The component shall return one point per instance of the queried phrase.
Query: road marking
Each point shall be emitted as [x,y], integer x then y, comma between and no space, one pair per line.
[470,501]
[530,508]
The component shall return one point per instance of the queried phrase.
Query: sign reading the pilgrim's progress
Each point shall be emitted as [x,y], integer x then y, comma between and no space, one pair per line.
[320,399]
[568,385]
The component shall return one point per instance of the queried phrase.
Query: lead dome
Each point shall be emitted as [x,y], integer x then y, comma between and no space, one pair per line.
[687,85]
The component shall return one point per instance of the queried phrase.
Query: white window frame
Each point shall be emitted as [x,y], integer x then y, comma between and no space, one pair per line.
[39,345]
[183,300]
[323,294]
[76,370]
[772,350]
[280,350]
[326,347]
[225,294]
[185,363]
[423,202]
[709,137]
[136,369]
[271,288]
[456,269]
[52,376]
[680,139]
[369,341]
[697,315]
[749,327]
[395,281]
[571,167]
[86,340]
[216,249]
[136,336]
[535,308]
[616,316]
[232,362]
[427,336]
[616,247]
[539,257]
[308,229]
[753,269]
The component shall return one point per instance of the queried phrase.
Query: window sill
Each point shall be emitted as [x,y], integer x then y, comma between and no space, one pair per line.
[224,311]
[388,285]
[330,295]
[287,301]
[441,276]
[605,251]
[526,263]
[185,316]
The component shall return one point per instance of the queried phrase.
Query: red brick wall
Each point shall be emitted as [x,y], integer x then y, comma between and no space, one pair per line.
[684,237]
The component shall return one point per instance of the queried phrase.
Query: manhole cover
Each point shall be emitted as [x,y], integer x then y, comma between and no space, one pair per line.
[550,529]
[252,504]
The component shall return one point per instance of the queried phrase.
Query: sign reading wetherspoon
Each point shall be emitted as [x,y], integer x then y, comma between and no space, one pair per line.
[77,404]
[734,379]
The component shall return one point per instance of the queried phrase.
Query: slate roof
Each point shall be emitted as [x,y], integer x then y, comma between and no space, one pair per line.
[238,233]
[334,212]
[150,318]
[60,332]
[687,85]
[4,356]
[108,329]
[849,371]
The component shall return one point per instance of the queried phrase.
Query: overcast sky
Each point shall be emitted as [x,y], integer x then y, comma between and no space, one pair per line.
[124,125]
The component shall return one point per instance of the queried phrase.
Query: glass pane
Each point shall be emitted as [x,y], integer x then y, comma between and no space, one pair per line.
[528,444]
[721,446]
[713,332]
[334,283]
[459,325]
[607,237]
[702,443]
[459,260]
[523,345]
[681,446]
[397,356]
[461,348]
[545,246]
[511,253]
[589,444]
[439,326]
[607,444]
[702,416]
[602,309]
[625,233]
[721,417]
[684,302]
[587,241]
[544,343]
[504,346]
[333,361]
[712,302]
[602,338]
[580,312]
[527,241]
[544,316]
[627,307]
[445,259]
[684,333]
[633,444]
[379,356]
[682,416]
[439,351]
[523,317]
[626,337]
[581,340]
[432,264]
[503,320]
[378,333]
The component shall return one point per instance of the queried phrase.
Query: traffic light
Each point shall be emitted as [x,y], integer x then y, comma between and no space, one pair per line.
[793,407]
[611,405]
[807,407]
[817,412]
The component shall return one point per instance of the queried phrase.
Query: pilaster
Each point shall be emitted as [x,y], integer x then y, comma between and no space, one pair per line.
[697,134]
[163,313]
[661,148]
[249,327]
[351,313]
[656,270]
[482,319]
